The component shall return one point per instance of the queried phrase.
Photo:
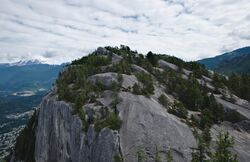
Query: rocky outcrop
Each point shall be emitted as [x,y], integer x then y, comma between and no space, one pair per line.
[147,125]
[60,136]
[107,79]
[116,58]
[102,51]
[165,64]
[244,111]
[138,69]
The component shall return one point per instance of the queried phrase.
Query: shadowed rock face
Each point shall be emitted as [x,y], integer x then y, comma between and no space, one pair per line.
[146,125]
[60,137]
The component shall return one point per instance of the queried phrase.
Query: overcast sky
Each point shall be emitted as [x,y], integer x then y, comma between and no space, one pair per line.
[57,31]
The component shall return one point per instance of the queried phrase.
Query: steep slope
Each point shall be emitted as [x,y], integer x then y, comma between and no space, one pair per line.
[117,105]
[236,61]
[146,125]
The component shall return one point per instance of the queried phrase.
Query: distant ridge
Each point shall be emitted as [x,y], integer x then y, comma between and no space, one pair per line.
[237,61]
[28,75]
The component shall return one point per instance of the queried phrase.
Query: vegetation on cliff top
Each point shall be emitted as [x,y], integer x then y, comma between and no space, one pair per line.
[74,87]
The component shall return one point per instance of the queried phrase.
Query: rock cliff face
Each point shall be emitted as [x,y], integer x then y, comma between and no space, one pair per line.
[122,112]
[146,125]
[60,137]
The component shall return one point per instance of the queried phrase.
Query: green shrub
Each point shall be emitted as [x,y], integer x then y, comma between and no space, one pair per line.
[152,58]
[118,158]
[157,155]
[223,153]
[147,83]
[206,119]
[93,59]
[141,156]
[179,110]
[206,136]
[169,156]
[163,100]
[137,89]
[112,121]
[123,67]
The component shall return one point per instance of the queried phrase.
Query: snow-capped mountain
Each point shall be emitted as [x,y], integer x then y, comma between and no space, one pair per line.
[26,62]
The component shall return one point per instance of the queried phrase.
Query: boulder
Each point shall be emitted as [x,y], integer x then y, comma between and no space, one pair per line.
[107,79]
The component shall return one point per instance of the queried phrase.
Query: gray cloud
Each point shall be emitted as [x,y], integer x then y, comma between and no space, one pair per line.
[50,54]
[62,30]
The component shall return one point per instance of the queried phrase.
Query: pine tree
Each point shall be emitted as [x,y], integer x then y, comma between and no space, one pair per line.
[206,135]
[169,156]
[222,153]
[157,155]
[200,153]
[141,156]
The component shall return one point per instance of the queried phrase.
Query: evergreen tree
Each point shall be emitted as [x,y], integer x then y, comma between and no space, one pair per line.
[206,135]
[141,157]
[206,119]
[157,155]
[200,153]
[222,153]
[151,58]
[169,156]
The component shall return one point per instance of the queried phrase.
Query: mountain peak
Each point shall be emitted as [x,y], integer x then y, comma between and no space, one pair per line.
[26,62]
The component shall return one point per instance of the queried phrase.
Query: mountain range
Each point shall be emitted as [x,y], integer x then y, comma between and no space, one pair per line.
[237,61]
[28,75]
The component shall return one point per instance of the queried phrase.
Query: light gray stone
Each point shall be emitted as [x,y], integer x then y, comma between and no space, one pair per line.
[102,51]
[165,64]
[137,68]
[146,125]
[116,58]
[244,111]
[107,79]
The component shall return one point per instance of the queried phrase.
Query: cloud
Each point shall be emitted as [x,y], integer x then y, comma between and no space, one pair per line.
[62,30]
[49,54]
